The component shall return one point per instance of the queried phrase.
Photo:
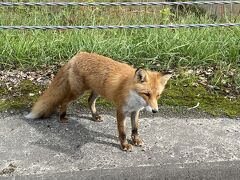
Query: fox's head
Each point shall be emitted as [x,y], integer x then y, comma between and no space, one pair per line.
[149,86]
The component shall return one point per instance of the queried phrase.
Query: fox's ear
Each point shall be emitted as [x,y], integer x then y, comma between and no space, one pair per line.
[140,75]
[165,77]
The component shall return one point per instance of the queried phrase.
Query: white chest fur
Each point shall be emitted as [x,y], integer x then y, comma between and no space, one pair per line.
[134,102]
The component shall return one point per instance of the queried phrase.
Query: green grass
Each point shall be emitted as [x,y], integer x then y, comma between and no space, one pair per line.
[175,95]
[213,103]
[145,47]
[19,97]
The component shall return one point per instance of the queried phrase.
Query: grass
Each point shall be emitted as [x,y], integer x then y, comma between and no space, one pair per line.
[176,94]
[214,103]
[167,47]
[19,96]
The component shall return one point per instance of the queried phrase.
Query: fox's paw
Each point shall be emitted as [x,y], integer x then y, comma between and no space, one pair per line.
[127,147]
[137,141]
[63,120]
[97,118]
[62,117]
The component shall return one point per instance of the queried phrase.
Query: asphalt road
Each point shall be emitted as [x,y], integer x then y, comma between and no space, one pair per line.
[175,147]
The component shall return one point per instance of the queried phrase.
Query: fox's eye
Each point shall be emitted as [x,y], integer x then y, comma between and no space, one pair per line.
[147,94]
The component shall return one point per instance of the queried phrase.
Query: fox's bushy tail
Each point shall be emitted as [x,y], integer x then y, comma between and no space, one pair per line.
[53,96]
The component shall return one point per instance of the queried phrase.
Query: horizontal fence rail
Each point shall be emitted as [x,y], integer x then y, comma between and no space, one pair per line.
[117,27]
[9,4]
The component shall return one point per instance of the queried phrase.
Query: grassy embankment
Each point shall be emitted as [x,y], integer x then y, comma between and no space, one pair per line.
[158,49]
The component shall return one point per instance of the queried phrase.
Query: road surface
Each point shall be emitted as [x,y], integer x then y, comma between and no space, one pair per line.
[175,147]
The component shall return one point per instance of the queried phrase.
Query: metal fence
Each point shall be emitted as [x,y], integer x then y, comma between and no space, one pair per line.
[115,3]
[14,4]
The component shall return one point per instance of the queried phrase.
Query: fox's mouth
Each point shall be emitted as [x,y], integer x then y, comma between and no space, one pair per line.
[150,109]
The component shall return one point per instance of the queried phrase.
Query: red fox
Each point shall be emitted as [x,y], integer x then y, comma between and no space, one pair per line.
[130,90]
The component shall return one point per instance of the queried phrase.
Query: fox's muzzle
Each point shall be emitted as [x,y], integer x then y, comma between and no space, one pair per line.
[150,109]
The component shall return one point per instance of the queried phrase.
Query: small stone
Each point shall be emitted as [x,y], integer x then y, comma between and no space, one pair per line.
[194,84]
[31,94]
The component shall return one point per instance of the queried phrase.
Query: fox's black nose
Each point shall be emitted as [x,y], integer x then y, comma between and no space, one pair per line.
[154,110]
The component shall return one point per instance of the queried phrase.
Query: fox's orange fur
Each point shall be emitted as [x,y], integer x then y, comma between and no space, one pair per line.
[129,89]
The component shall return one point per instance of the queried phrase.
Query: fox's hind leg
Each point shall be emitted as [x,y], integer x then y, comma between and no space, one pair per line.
[63,106]
[91,102]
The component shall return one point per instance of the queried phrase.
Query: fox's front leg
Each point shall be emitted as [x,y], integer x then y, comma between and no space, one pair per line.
[136,140]
[121,130]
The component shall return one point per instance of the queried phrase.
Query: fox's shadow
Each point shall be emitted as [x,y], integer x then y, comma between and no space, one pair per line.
[69,138]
